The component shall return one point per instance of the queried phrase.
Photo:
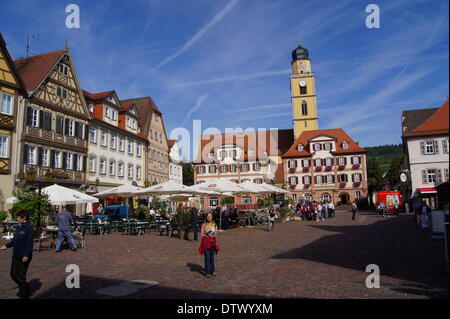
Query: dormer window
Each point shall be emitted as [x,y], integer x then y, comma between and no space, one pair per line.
[317,146]
[328,146]
[345,145]
[91,107]
[300,147]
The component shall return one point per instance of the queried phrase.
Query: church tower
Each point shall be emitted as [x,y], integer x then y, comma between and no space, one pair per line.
[303,93]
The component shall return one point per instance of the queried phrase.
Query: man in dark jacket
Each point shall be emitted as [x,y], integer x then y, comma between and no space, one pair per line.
[194,220]
[64,219]
[22,244]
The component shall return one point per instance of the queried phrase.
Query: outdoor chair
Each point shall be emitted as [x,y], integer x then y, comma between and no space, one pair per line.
[41,237]
[80,236]
[174,227]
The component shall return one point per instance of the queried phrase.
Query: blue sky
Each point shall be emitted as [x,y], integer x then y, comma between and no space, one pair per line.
[227,62]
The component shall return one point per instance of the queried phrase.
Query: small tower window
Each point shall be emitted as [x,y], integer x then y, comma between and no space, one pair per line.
[304,108]
[303,88]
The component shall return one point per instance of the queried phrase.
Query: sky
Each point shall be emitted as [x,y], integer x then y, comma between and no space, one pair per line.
[227,62]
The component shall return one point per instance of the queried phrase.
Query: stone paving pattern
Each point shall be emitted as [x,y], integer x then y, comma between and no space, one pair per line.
[299,259]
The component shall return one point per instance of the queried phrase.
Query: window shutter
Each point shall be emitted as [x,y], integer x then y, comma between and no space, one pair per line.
[41,118]
[25,153]
[39,160]
[439,175]
[254,166]
[77,129]
[446,174]
[332,178]
[74,162]
[86,131]
[289,164]
[84,164]
[303,180]
[424,176]
[436,146]
[52,158]
[353,177]
[59,124]
[29,113]
[345,160]
[66,127]
[64,159]
[296,180]
[422,147]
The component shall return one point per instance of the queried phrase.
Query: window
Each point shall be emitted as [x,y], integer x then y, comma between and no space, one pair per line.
[102,167]
[61,92]
[121,144]
[113,114]
[343,178]
[120,169]
[306,163]
[70,127]
[318,162]
[91,107]
[93,135]
[345,145]
[233,168]
[223,169]
[257,166]
[103,138]
[319,179]
[4,146]
[44,157]
[341,160]
[303,89]
[92,164]
[246,200]
[328,146]
[429,147]
[213,201]
[33,117]
[307,180]
[304,108]
[329,161]
[79,162]
[355,159]
[130,171]
[330,179]
[138,149]
[57,159]
[113,142]
[201,169]
[138,173]
[69,160]
[317,146]
[112,168]
[258,180]
[31,155]
[431,176]
[7,104]
[130,147]
[245,167]
[358,194]
[107,111]
[293,180]
[223,154]
[357,178]
[445,146]
[63,69]
[300,147]
[59,124]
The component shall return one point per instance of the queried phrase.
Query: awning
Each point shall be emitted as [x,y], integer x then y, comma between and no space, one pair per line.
[430,190]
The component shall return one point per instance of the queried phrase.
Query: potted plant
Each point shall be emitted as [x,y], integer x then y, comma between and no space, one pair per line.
[183,220]
[3,216]
[283,214]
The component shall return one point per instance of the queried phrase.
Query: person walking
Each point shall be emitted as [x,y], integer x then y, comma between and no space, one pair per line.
[64,219]
[194,221]
[354,209]
[271,218]
[208,246]
[425,210]
[331,209]
[22,244]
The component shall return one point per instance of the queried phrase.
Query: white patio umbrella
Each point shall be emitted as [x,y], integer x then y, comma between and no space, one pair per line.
[60,195]
[257,188]
[126,190]
[167,188]
[11,200]
[221,187]
[274,189]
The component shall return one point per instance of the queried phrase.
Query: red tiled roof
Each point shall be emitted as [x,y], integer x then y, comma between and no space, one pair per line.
[338,134]
[171,143]
[145,107]
[34,69]
[125,107]
[97,96]
[263,144]
[436,124]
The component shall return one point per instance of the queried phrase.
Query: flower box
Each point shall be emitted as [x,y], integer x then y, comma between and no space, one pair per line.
[305,169]
[341,167]
[355,166]
[342,185]
[318,168]
[292,170]
[328,168]
[292,186]
[356,184]
[306,186]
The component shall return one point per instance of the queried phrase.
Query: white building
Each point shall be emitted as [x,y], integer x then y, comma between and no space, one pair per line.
[426,144]
[117,148]
[175,167]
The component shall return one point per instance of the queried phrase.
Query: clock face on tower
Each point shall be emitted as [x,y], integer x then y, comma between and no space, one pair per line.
[302,83]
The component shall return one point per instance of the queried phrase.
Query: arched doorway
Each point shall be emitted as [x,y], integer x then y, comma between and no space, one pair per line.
[344,198]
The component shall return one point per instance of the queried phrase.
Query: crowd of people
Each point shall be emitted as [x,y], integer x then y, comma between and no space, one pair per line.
[315,210]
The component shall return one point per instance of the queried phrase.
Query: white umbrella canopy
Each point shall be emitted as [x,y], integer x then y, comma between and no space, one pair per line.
[59,195]
[126,190]
[257,188]
[11,200]
[274,189]
[221,186]
[166,188]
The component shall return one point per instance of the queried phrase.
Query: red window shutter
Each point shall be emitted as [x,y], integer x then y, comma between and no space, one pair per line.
[360,160]
[332,178]
[424,176]
[296,180]
[422,147]
[436,147]
[446,174]
[346,177]
[295,164]
[345,160]
[289,164]
[353,177]
[303,179]
[439,175]
[351,160]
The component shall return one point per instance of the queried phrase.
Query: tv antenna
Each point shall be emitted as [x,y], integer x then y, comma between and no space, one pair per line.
[29,36]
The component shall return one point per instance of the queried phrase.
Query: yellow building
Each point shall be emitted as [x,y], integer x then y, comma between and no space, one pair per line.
[10,88]
[303,93]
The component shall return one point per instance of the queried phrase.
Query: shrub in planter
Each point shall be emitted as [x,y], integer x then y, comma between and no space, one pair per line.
[183,220]
[31,201]
[3,215]
[260,203]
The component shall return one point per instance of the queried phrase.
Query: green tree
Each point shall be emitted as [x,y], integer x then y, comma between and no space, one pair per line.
[31,202]
[394,171]
[374,175]
[188,174]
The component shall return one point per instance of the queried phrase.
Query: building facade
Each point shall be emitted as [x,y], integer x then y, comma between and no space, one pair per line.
[426,145]
[11,87]
[53,120]
[117,148]
[152,125]
[175,167]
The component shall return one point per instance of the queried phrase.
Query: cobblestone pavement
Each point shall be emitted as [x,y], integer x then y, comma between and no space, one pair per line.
[297,260]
